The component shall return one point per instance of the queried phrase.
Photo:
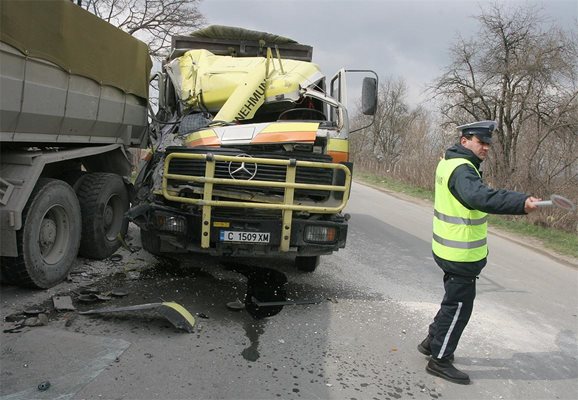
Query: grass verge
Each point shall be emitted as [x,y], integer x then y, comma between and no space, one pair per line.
[561,242]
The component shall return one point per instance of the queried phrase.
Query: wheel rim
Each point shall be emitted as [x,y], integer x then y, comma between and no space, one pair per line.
[113,216]
[54,234]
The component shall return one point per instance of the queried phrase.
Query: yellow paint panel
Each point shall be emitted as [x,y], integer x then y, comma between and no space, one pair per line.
[341,145]
[221,224]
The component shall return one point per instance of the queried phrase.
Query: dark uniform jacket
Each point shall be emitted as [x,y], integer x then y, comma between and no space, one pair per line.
[468,188]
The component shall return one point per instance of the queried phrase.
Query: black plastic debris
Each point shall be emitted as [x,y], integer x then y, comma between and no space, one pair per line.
[119,292]
[34,310]
[87,298]
[15,317]
[16,329]
[88,290]
[284,302]
[44,386]
[115,257]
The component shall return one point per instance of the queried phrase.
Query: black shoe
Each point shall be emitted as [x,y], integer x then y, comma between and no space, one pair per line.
[425,349]
[445,369]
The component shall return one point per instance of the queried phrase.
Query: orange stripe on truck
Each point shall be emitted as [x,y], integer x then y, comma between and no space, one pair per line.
[206,141]
[339,156]
[285,137]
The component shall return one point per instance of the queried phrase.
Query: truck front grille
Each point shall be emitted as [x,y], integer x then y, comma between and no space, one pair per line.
[271,173]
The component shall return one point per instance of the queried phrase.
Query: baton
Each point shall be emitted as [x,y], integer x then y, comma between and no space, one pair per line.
[557,201]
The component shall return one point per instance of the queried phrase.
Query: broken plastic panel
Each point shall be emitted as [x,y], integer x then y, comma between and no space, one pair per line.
[173,312]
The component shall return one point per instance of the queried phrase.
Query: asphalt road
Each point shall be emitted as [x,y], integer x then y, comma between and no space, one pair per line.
[373,302]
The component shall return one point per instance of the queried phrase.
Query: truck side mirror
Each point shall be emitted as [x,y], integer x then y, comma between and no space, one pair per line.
[369,96]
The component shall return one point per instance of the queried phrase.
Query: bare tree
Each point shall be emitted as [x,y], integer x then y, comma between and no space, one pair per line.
[152,21]
[392,122]
[519,74]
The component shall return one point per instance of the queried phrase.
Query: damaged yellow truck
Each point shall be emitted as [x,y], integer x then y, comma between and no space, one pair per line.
[249,152]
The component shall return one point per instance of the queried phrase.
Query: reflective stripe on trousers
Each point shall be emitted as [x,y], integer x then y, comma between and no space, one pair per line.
[454,314]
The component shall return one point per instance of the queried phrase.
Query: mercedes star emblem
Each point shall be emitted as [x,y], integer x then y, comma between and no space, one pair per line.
[242,170]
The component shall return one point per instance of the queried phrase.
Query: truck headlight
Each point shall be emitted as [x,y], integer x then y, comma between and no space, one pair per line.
[320,234]
[171,223]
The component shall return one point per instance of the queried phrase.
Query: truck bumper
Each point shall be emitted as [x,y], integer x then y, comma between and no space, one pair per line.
[243,236]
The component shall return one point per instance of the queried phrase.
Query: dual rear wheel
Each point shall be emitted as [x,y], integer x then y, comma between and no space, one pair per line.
[59,222]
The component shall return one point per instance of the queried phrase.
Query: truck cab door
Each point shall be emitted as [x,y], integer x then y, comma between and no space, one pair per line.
[338,91]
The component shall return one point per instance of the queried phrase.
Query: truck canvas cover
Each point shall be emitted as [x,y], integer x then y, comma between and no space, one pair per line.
[70,78]
[77,41]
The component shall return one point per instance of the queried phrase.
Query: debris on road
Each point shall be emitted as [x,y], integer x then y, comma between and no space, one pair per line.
[16,317]
[40,320]
[125,245]
[284,302]
[236,305]
[115,257]
[133,275]
[69,320]
[34,311]
[173,312]
[44,386]
[119,292]
[63,303]
[87,298]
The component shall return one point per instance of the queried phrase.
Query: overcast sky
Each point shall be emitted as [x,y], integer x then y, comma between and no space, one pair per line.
[396,38]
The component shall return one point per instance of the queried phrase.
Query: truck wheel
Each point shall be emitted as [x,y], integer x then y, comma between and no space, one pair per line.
[49,239]
[103,201]
[307,263]
[150,242]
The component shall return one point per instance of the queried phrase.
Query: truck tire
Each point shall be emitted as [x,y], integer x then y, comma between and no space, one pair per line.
[307,263]
[49,239]
[103,202]
[150,242]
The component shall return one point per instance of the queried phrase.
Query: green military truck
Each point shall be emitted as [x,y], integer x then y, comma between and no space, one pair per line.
[74,95]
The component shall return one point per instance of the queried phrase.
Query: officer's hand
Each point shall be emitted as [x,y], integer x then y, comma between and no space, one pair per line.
[530,204]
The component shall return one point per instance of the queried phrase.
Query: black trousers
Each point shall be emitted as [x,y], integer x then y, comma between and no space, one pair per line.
[454,314]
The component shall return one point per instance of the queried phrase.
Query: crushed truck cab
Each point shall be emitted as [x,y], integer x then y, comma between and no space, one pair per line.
[249,151]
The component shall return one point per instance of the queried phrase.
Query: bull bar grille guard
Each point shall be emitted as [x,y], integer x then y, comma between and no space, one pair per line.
[287,206]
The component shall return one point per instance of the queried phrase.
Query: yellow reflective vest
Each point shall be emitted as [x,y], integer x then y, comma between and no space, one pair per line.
[459,234]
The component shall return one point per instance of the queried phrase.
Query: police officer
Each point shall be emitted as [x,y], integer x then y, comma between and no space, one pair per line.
[462,202]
